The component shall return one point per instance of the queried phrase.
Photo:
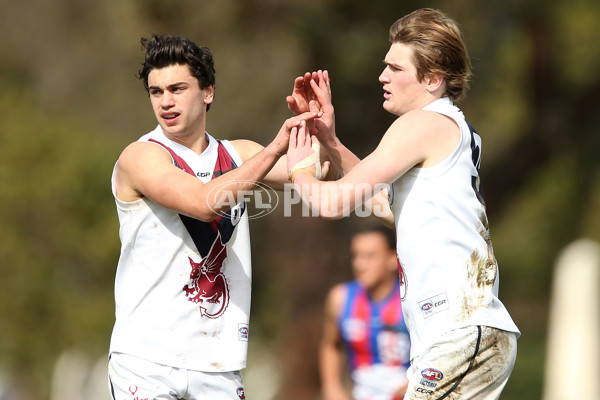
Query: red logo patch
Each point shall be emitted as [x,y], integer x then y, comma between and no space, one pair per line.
[208,285]
[432,374]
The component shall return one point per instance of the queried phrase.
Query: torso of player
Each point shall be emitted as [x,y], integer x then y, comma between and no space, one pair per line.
[373,332]
[182,288]
[449,271]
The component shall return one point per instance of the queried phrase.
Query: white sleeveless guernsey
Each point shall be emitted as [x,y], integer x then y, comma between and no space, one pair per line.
[182,287]
[448,269]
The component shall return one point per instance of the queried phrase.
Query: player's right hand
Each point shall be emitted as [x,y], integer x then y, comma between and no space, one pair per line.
[325,124]
[281,142]
[302,94]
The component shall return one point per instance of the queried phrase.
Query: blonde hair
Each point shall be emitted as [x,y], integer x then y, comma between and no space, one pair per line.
[438,48]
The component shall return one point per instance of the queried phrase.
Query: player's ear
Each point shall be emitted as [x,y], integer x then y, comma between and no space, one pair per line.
[434,81]
[209,94]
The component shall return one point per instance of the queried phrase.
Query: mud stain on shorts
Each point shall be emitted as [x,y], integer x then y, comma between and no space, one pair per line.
[472,370]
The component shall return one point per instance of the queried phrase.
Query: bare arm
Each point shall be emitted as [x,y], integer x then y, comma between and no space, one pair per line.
[399,395]
[331,354]
[277,177]
[312,92]
[418,138]
[146,170]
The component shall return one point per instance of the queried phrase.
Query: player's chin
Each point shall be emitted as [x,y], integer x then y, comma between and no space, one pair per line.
[391,109]
[388,106]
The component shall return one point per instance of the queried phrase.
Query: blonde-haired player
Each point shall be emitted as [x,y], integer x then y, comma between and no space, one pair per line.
[463,340]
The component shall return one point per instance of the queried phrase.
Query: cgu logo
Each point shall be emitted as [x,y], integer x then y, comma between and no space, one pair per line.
[432,374]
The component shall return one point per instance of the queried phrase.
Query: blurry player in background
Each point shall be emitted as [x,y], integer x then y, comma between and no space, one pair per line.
[364,324]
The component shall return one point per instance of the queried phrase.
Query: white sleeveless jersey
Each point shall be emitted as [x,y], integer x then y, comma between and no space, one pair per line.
[450,273]
[182,287]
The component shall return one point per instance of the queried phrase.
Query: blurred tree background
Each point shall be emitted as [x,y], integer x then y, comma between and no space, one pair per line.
[71,103]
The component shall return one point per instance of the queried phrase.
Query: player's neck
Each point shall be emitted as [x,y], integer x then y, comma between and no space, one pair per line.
[382,290]
[197,141]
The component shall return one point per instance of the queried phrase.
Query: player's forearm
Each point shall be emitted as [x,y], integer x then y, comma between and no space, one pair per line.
[379,207]
[224,192]
[330,363]
[340,156]
[329,200]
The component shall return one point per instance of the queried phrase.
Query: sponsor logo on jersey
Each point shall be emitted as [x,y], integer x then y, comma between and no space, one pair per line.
[240,393]
[431,377]
[355,329]
[433,305]
[243,332]
[432,374]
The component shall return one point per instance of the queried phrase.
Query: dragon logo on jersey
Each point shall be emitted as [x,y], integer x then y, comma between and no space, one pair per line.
[207,284]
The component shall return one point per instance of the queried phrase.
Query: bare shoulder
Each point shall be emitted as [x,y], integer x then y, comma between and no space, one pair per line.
[137,160]
[425,137]
[246,148]
[140,149]
[422,122]
[336,298]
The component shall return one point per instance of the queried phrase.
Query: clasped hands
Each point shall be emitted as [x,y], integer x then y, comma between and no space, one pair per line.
[311,93]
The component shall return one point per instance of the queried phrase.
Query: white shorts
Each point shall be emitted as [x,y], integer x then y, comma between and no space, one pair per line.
[132,377]
[377,382]
[468,363]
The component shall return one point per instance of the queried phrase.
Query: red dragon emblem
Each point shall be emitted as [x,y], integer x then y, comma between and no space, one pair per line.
[207,284]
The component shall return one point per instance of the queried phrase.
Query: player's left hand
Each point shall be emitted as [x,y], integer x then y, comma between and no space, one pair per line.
[303,154]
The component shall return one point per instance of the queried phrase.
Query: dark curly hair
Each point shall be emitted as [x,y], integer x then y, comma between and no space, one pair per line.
[164,50]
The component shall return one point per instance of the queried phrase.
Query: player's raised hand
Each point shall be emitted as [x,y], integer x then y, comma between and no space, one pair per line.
[302,94]
[281,142]
[303,154]
[320,84]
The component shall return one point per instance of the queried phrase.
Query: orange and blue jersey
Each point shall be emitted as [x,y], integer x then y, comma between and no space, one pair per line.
[374,332]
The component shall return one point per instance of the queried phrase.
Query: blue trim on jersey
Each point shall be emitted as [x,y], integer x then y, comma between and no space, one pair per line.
[351,289]
[369,350]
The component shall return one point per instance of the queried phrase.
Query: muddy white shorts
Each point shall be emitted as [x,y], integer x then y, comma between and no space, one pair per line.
[467,363]
[133,378]
[377,382]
